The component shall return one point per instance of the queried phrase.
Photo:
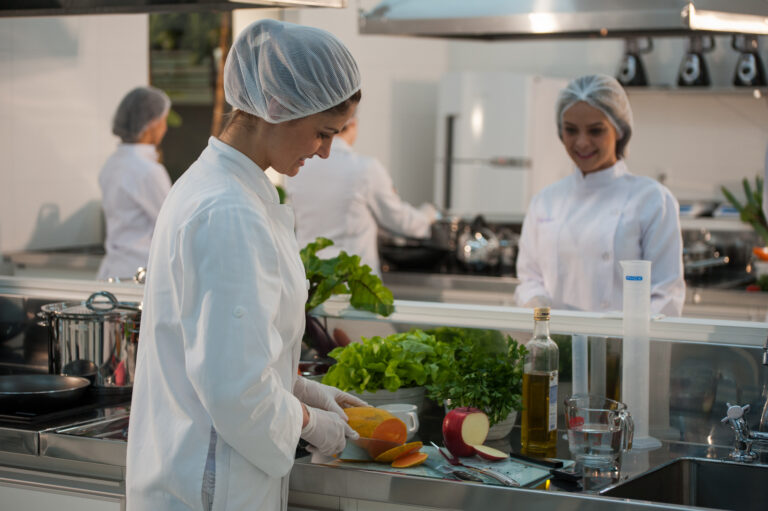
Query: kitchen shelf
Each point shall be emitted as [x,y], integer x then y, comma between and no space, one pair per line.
[755,92]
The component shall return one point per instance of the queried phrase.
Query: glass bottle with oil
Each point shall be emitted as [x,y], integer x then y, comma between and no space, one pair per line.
[539,420]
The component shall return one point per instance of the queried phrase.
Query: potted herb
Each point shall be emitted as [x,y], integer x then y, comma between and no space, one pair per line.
[342,274]
[752,213]
[486,373]
[392,369]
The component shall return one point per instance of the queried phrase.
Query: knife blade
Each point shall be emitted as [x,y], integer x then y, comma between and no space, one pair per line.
[538,462]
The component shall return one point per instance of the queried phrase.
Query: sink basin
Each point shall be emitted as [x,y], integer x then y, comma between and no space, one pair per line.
[700,482]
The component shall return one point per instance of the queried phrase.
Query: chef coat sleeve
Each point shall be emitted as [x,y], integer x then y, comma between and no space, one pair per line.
[662,244]
[529,271]
[147,187]
[390,211]
[230,300]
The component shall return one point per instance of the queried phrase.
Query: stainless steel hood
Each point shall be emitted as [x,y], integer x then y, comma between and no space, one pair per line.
[527,19]
[64,7]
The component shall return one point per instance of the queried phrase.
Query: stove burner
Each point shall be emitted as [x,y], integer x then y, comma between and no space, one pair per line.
[92,400]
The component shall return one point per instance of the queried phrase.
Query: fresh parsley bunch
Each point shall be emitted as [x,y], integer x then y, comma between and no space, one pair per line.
[409,359]
[486,371]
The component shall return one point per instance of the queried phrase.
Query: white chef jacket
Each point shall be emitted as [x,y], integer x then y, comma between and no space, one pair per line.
[344,198]
[578,229]
[133,186]
[219,344]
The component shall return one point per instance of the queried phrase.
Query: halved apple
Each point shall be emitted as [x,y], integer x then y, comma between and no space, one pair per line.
[464,427]
[489,453]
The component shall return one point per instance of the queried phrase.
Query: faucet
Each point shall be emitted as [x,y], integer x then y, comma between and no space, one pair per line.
[764,417]
[743,436]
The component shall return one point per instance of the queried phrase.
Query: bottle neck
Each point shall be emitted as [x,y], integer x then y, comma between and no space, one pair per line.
[541,329]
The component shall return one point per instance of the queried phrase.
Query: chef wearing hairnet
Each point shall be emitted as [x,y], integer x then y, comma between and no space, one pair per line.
[133,183]
[577,230]
[346,197]
[217,408]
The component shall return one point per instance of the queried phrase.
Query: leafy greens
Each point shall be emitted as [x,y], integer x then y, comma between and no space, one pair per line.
[408,359]
[343,274]
[486,371]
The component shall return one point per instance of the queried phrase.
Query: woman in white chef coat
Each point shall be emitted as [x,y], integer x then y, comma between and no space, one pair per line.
[346,197]
[133,183]
[578,229]
[217,408]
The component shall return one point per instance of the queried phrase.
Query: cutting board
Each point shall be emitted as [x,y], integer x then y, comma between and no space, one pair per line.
[354,457]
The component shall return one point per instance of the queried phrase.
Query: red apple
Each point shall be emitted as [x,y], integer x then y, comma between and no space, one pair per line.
[489,453]
[463,428]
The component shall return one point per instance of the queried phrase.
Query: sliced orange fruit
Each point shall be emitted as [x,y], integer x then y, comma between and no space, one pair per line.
[410,460]
[398,452]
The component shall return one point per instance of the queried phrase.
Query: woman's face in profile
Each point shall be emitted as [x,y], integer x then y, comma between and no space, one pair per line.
[589,138]
[293,142]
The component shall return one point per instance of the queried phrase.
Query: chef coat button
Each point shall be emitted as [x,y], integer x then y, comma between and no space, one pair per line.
[606,256]
[238,311]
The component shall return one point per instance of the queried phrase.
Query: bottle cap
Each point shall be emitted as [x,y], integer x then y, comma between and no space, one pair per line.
[541,313]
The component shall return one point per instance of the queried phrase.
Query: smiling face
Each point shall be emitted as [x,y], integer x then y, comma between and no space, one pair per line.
[589,138]
[291,143]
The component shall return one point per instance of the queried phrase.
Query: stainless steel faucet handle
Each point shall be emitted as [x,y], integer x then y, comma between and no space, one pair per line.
[735,412]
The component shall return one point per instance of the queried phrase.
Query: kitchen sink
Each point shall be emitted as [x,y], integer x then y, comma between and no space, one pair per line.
[702,483]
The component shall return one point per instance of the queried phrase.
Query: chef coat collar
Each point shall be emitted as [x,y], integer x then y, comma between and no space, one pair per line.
[247,170]
[148,151]
[601,177]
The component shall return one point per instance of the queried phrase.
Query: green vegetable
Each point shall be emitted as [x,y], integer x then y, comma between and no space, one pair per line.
[486,371]
[409,359]
[281,193]
[343,274]
[751,212]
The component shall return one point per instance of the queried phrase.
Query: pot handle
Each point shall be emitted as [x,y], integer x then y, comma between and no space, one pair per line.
[111,304]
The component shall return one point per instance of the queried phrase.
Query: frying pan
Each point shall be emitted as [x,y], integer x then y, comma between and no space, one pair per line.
[40,392]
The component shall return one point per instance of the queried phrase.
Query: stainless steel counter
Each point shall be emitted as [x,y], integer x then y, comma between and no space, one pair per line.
[95,449]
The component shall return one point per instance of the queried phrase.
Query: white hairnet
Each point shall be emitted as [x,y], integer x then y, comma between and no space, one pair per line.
[137,110]
[607,95]
[280,71]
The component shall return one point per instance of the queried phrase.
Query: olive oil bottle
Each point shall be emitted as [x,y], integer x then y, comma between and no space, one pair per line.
[539,422]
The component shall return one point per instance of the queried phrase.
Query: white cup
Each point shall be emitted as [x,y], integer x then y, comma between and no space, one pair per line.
[406,413]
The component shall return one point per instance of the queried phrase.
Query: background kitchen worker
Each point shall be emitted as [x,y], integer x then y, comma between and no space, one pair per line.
[578,229]
[133,183]
[217,406]
[346,197]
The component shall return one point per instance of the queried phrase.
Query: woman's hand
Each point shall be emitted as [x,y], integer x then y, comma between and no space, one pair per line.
[325,397]
[326,432]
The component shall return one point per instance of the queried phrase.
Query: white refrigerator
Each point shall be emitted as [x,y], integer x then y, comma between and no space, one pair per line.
[497,143]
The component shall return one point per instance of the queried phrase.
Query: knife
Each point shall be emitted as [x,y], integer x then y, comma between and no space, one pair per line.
[447,469]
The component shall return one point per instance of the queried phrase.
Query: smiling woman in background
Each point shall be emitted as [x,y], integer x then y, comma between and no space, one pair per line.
[577,230]
[218,407]
[133,183]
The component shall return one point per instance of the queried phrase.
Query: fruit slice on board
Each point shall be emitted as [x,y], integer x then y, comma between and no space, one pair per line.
[489,453]
[410,460]
[401,450]
[464,427]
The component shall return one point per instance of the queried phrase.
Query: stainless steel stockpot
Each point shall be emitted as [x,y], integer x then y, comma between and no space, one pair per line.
[94,339]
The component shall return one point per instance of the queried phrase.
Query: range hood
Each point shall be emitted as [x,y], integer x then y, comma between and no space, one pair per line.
[64,7]
[528,19]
